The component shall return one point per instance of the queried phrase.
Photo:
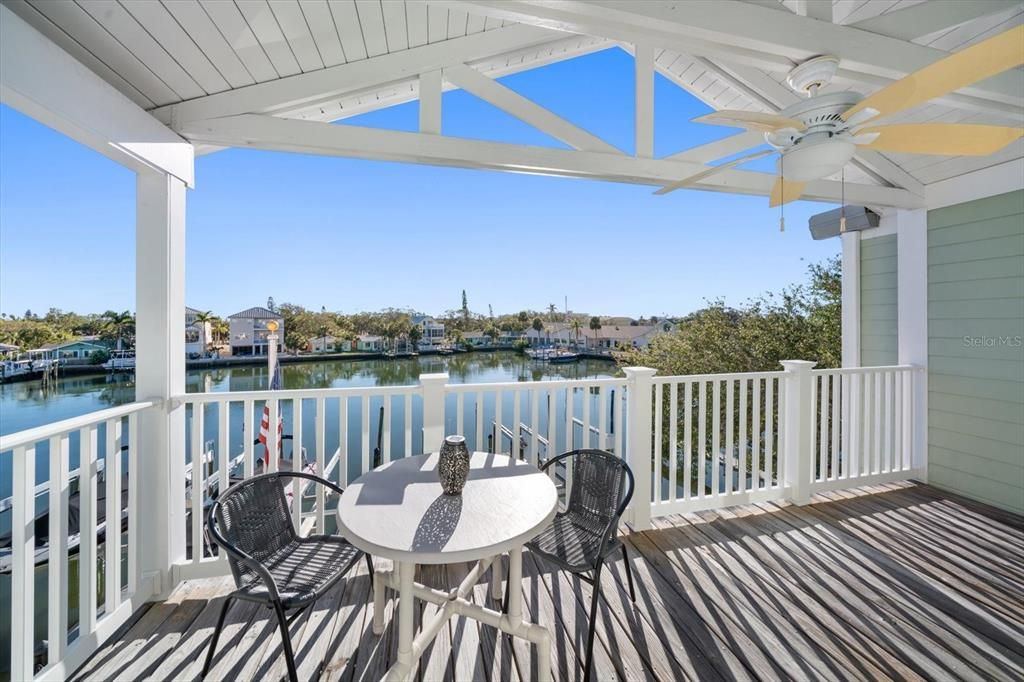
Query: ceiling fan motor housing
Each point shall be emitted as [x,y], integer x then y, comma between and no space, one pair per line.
[824,146]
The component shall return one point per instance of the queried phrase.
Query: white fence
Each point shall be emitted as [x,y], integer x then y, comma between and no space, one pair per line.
[693,442]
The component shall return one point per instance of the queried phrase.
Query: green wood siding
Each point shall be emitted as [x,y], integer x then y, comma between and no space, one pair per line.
[975,353]
[878,301]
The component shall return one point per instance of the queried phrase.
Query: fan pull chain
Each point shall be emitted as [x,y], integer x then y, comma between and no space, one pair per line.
[842,199]
[782,193]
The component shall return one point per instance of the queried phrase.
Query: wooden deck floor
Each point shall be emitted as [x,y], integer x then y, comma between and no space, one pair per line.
[898,581]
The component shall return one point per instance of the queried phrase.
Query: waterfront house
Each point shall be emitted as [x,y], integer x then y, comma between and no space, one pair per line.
[73,352]
[329,344]
[8,350]
[432,332]
[610,337]
[871,528]
[248,331]
[197,334]
[370,343]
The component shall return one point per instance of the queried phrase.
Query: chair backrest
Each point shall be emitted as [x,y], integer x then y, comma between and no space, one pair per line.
[602,486]
[253,517]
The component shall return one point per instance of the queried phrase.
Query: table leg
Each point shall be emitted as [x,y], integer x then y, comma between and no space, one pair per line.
[515,584]
[403,668]
[496,592]
[378,602]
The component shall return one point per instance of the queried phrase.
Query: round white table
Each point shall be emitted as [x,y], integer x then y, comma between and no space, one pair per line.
[398,511]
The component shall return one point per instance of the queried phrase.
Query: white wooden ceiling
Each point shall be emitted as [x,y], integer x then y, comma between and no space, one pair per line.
[162,52]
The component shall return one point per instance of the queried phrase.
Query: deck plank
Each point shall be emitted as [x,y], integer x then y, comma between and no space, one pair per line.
[896,581]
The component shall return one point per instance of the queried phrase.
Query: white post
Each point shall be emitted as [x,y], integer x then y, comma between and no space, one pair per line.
[643,57]
[796,428]
[639,447]
[912,323]
[160,375]
[430,102]
[851,299]
[433,410]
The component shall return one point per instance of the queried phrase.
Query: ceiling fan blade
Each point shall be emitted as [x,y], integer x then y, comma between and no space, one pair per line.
[685,182]
[751,120]
[785,191]
[945,139]
[970,65]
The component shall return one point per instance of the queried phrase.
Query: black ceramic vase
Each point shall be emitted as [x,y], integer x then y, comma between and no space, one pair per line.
[453,465]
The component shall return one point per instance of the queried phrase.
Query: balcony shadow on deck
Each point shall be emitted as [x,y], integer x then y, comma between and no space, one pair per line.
[898,581]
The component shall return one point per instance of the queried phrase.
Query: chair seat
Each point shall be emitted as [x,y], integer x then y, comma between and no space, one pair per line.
[570,544]
[304,570]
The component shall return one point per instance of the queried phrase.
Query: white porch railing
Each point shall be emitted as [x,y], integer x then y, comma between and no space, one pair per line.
[108,583]
[693,442]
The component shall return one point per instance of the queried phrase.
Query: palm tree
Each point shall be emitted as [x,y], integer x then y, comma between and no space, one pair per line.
[118,323]
[415,334]
[552,311]
[595,325]
[576,326]
[203,319]
[220,330]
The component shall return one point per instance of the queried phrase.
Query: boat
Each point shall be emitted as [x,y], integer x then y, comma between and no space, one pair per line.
[562,357]
[120,360]
[28,368]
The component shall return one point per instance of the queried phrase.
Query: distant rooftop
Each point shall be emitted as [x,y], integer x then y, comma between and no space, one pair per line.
[257,313]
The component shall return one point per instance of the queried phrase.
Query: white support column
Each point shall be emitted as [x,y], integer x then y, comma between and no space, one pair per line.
[851,299]
[430,102]
[912,320]
[643,57]
[433,410]
[639,447]
[796,428]
[160,373]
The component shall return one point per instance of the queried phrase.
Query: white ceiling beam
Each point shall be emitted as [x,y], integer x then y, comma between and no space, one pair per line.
[719,149]
[531,113]
[430,102]
[740,33]
[41,80]
[312,137]
[643,123]
[815,9]
[927,17]
[316,87]
[880,166]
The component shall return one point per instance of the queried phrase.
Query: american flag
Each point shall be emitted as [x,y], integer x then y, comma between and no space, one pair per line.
[275,385]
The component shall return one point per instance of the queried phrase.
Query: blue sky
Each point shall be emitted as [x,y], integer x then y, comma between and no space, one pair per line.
[360,235]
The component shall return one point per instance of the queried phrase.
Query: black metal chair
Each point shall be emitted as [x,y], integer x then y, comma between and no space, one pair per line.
[270,562]
[583,535]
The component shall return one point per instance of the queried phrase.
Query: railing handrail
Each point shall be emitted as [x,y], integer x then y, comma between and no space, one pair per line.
[869,370]
[297,394]
[719,376]
[529,385]
[40,433]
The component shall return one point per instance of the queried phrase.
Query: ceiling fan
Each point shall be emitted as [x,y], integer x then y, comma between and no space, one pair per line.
[816,137]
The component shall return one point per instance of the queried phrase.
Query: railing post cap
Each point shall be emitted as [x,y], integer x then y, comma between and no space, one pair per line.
[798,365]
[441,378]
[639,372]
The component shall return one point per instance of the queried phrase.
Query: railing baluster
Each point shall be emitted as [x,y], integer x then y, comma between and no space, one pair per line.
[57,552]
[907,381]
[534,426]
[248,438]
[460,407]
[886,464]
[23,544]
[365,447]
[133,503]
[223,444]
[198,478]
[552,446]
[343,441]
[688,444]
[716,436]
[879,380]
[755,438]
[516,417]
[730,416]
[321,458]
[112,536]
[87,548]
[499,436]
[274,439]
[702,439]
[815,443]
[298,462]
[823,428]
[658,454]
[769,432]
[742,459]
[480,444]
[846,433]
[407,452]
[385,454]
[833,470]
[570,409]
[673,439]
[602,418]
